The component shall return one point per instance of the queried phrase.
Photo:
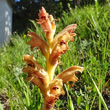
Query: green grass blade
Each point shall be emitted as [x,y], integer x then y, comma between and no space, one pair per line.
[100,95]
[1,108]
[69,100]
[11,103]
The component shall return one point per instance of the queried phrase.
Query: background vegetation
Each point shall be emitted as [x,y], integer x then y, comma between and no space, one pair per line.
[24,10]
[90,49]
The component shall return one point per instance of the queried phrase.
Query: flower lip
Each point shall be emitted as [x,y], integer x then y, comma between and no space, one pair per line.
[31,65]
[62,42]
[69,74]
[43,17]
[70,29]
[55,87]
[76,73]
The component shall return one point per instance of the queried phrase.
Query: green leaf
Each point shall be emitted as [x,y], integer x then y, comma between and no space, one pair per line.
[78,100]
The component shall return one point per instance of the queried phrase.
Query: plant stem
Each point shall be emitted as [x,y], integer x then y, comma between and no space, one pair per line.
[51,70]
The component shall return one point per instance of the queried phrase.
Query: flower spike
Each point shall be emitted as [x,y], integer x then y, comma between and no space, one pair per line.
[51,86]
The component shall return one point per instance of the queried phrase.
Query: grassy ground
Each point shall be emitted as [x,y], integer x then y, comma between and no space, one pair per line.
[90,49]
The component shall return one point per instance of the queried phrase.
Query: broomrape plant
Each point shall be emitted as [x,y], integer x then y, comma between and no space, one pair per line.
[51,86]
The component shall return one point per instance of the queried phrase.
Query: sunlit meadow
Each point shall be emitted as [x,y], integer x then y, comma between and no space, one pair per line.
[90,49]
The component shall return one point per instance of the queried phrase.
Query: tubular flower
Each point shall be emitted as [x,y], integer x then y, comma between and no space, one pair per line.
[68,32]
[60,48]
[47,23]
[36,74]
[37,41]
[51,86]
[44,20]
[55,90]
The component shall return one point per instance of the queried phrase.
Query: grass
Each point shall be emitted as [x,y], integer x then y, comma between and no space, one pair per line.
[90,49]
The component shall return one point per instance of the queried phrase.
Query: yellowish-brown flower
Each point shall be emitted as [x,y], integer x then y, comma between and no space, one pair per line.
[47,23]
[69,74]
[60,43]
[44,20]
[68,32]
[37,41]
[36,74]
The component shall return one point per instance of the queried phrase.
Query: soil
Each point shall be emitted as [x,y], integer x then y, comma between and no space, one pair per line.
[4,100]
[106,95]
